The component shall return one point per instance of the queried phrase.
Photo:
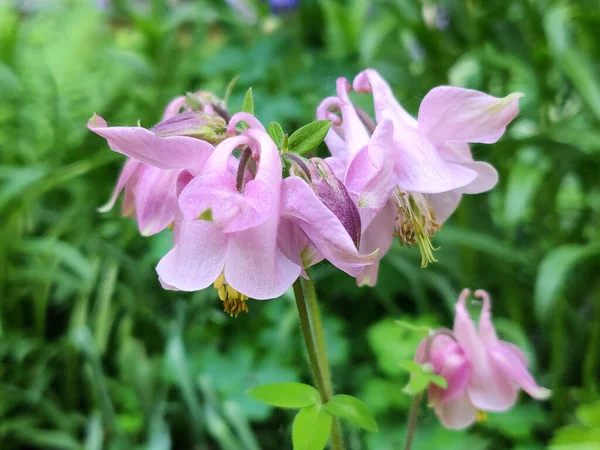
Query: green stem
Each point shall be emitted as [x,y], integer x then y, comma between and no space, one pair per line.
[314,338]
[412,419]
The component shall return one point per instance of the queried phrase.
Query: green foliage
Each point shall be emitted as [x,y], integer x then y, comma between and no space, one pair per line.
[351,409]
[94,354]
[308,137]
[285,395]
[248,105]
[421,377]
[276,133]
[311,428]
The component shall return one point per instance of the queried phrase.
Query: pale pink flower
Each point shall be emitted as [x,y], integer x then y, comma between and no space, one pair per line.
[182,141]
[317,202]
[411,171]
[229,234]
[482,372]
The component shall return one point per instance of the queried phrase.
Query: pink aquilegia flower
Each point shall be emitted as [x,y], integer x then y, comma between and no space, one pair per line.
[317,202]
[228,235]
[411,172]
[181,142]
[483,373]
[252,235]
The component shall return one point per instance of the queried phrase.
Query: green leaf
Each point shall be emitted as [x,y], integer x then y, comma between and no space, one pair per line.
[309,136]
[285,395]
[575,437]
[248,105]
[418,382]
[589,415]
[311,428]
[230,87]
[424,330]
[438,380]
[276,133]
[353,410]
[553,274]
[411,366]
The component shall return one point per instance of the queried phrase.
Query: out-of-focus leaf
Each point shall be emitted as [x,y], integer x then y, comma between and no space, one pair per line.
[574,62]
[575,437]
[520,424]
[285,395]
[589,414]
[554,272]
[248,105]
[311,428]
[353,410]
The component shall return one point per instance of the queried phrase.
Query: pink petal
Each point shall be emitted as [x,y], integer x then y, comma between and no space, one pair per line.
[256,266]
[155,199]
[175,152]
[488,387]
[456,114]
[386,105]
[450,362]
[174,107]
[379,234]
[231,210]
[421,169]
[368,276]
[197,260]
[460,153]
[444,204]
[355,133]
[370,174]
[323,228]
[334,139]
[511,364]
[252,121]
[486,179]
[457,413]
[487,332]
[128,170]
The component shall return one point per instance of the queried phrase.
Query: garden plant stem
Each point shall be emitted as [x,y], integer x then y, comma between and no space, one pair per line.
[314,338]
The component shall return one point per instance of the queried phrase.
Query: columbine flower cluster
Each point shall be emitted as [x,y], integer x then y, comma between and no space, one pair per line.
[242,227]
[248,217]
[483,373]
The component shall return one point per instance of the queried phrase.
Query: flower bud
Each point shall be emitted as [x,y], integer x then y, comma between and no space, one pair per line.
[195,124]
[331,191]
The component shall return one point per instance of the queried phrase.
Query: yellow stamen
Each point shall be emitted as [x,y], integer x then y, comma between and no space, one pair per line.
[481,416]
[415,223]
[234,302]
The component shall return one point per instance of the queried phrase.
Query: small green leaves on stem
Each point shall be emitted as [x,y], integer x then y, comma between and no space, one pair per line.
[230,87]
[276,133]
[311,428]
[353,410]
[421,376]
[285,395]
[308,137]
[248,105]
[422,329]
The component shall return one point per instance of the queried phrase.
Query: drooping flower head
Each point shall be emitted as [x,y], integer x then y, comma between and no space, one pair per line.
[182,141]
[413,169]
[483,372]
[228,232]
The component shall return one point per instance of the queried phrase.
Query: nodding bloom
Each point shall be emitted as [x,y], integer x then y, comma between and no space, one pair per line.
[483,373]
[228,233]
[182,141]
[412,172]
[249,232]
[317,202]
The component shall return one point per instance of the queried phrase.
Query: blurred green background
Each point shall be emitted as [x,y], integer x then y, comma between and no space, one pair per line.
[93,354]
